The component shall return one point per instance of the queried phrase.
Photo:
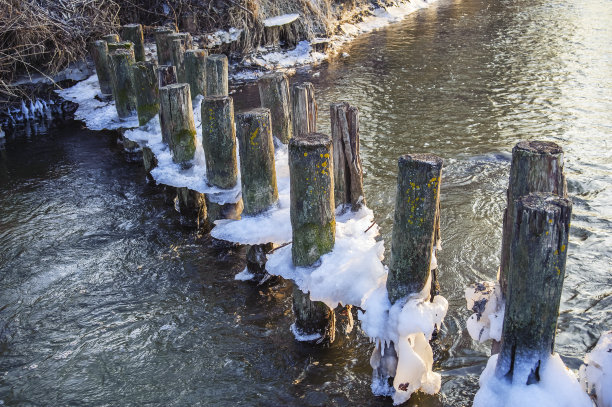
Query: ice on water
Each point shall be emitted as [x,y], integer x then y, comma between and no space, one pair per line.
[486,301]
[596,372]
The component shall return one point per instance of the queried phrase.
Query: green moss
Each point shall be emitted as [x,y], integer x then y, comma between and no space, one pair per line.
[147,112]
[184,142]
[311,241]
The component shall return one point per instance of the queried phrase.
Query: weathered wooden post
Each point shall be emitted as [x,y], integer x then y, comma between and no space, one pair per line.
[313,223]
[177,125]
[304,109]
[177,51]
[413,236]
[536,270]
[216,75]
[147,91]
[219,141]
[111,38]
[133,33]
[121,62]
[348,173]
[99,54]
[148,159]
[257,170]
[163,53]
[114,46]
[192,205]
[537,166]
[274,95]
[195,71]
[166,75]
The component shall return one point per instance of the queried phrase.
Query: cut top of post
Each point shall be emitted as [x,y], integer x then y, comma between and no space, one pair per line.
[417,160]
[311,140]
[539,147]
[120,45]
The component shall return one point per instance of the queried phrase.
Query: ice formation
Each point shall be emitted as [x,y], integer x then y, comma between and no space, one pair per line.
[280,20]
[596,372]
[558,387]
[93,110]
[244,275]
[486,301]
[222,37]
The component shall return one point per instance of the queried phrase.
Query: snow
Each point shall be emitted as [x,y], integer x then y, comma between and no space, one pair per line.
[485,300]
[280,20]
[558,387]
[244,275]
[222,37]
[302,54]
[596,372]
[97,114]
[301,336]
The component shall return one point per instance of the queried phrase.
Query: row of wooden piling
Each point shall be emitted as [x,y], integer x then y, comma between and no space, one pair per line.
[326,172]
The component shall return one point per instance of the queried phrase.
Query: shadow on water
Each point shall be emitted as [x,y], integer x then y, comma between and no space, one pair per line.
[107,299]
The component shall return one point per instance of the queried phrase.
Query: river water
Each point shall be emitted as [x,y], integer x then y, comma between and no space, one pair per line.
[106,298]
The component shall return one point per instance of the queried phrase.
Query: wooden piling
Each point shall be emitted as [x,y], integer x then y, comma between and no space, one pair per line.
[177,125]
[147,91]
[192,205]
[348,172]
[99,54]
[216,75]
[257,170]
[413,236]
[177,52]
[163,53]
[536,271]
[133,33]
[148,159]
[114,46]
[121,62]
[219,141]
[313,219]
[313,223]
[195,71]
[537,166]
[111,38]
[166,75]
[274,95]
[303,109]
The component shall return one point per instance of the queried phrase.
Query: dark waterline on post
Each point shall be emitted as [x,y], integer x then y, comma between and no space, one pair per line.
[105,298]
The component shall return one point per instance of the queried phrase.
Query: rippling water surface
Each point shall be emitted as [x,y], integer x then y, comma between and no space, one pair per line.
[107,299]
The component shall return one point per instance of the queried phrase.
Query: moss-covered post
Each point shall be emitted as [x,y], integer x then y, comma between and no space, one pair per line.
[535,279]
[192,205]
[257,170]
[274,95]
[216,75]
[133,33]
[304,109]
[114,46]
[313,223]
[413,236]
[147,91]
[537,166]
[348,172]
[195,71]
[166,75]
[219,141]
[99,54]
[121,62]
[163,52]
[111,38]
[177,125]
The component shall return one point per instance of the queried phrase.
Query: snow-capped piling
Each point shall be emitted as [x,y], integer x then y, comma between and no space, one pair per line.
[219,141]
[111,38]
[413,239]
[536,270]
[274,95]
[304,109]
[192,205]
[99,54]
[177,124]
[257,170]
[166,75]
[216,75]
[348,173]
[147,91]
[281,29]
[313,219]
[133,33]
[537,166]
[313,223]
[195,71]
[121,62]
[163,52]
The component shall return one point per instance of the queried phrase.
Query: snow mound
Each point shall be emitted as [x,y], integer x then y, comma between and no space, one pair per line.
[558,387]
[280,20]
[485,300]
[596,373]
[96,113]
